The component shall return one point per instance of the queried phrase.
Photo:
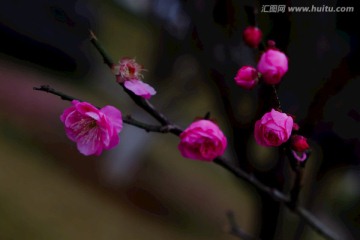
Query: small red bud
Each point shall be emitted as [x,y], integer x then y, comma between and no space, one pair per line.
[299,143]
[271,44]
[252,36]
[296,126]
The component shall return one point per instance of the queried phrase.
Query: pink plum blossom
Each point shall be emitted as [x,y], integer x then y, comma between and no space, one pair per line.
[92,129]
[128,69]
[140,88]
[246,77]
[252,36]
[273,65]
[202,140]
[128,73]
[273,129]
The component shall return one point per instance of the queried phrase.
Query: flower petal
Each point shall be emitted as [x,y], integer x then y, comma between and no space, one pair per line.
[114,116]
[140,88]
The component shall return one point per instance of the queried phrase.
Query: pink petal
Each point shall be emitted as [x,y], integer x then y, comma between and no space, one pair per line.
[280,118]
[114,116]
[89,144]
[140,88]
[299,158]
[85,108]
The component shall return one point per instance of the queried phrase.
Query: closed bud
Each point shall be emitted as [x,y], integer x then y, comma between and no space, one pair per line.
[273,65]
[246,77]
[252,36]
[299,143]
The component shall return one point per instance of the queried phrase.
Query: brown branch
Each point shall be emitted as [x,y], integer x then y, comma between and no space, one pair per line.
[273,193]
[107,59]
[141,102]
[48,89]
[128,119]
[310,219]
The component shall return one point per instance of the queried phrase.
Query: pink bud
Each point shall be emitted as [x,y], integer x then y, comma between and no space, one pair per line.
[202,140]
[296,127]
[273,129]
[271,44]
[246,77]
[299,143]
[273,65]
[252,36]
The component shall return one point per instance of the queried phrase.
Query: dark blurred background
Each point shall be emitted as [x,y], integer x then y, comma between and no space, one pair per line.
[144,189]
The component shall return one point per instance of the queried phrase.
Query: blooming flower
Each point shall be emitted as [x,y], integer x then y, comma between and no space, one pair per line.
[273,129]
[92,129]
[273,65]
[246,77]
[202,140]
[252,36]
[128,72]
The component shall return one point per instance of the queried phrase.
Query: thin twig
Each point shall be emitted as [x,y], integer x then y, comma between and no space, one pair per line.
[276,195]
[107,59]
[48,89]
[235,230]
[276,97]
[141,102]
[298,168]
[126,119]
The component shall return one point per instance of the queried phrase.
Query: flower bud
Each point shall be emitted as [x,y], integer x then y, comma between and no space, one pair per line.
[128,73]
[202,140]
[273,129]
[246,77]
[299,143]
[273,65]
[252,36]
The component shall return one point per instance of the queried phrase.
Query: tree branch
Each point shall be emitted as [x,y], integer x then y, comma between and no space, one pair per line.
[128,119]
[48,89]
[310,219]
[168,127]
[107,59]
[276,195]
[141,102]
